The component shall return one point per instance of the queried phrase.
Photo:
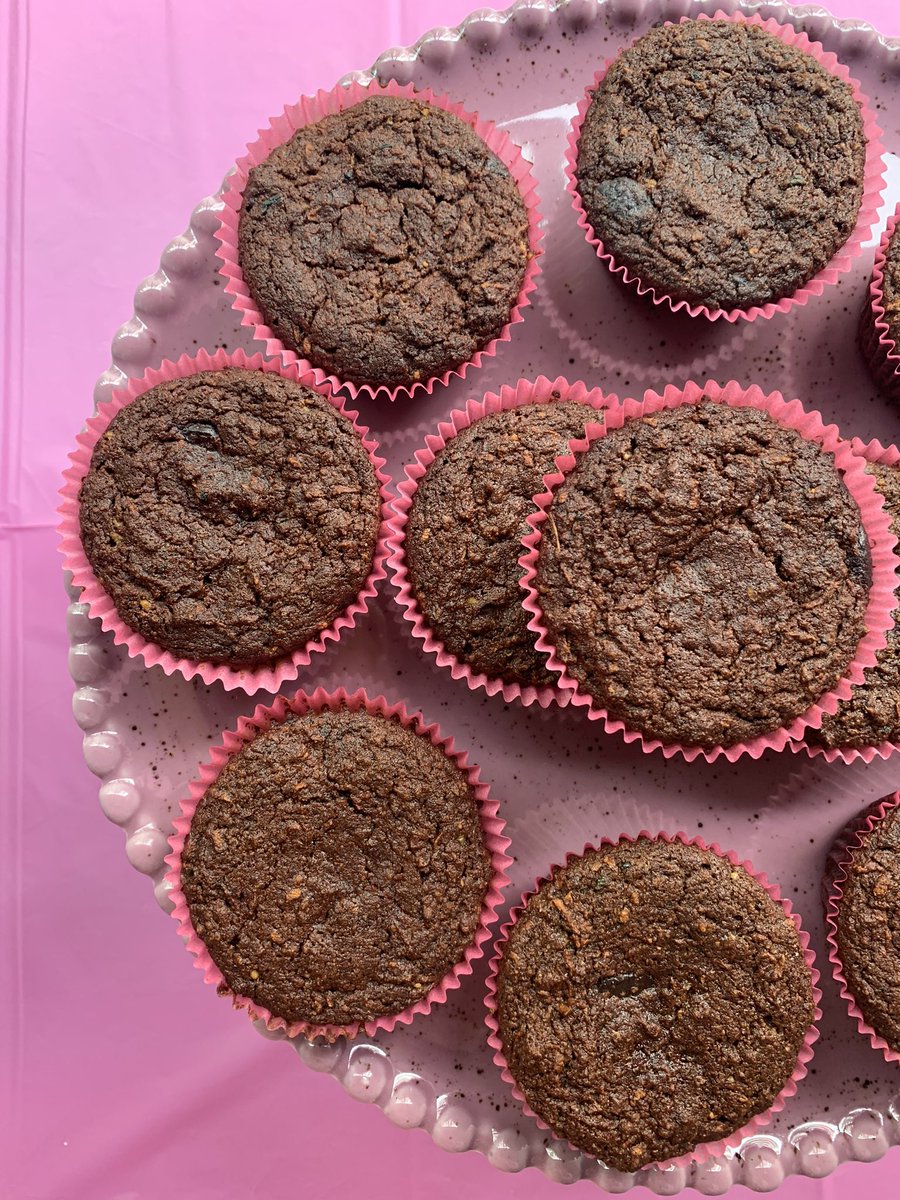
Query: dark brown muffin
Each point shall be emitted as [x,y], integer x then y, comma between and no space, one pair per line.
[890,287]
[336,869]
[721,165]
[868,928]
[872,714]
[386,243]
[651,998]
[231,515]
[463,540]
[704,574]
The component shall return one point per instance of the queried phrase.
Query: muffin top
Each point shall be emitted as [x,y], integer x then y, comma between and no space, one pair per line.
[650,998]
[469,513]
[704,574]
[891,285]
[721,165]
[386,243]
[336,869]
[872,714]
[868,928]
[231,515]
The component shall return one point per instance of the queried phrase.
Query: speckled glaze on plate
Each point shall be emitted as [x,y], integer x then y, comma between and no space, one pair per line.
[560,781]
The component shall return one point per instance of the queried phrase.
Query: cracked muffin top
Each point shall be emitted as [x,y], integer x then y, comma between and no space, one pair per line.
[651,997]
[231,515]
[704,574]
[721,165]
[868,927]
[872,714]
[470,509]
[336,869]
[386,243]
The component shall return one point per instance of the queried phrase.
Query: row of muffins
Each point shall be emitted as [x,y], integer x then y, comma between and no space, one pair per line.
[709,570]
[339,866]
[386,238]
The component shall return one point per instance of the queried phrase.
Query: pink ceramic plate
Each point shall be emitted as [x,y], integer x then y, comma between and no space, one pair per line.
[559,780]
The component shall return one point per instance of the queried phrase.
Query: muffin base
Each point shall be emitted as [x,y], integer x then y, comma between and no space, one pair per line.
[707,1150]
[249,728]
[310,109]
[878,618]
[266,676]
[873,184]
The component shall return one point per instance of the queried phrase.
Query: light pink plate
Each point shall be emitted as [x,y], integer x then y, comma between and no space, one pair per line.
[560,781]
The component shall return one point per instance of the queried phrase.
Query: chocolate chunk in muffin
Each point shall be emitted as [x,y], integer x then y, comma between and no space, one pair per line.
[231,515]
[868,928]
[704,574]
[651,998]
[463,539]
[872,714]
[386,243]
[336,869]
[721,165]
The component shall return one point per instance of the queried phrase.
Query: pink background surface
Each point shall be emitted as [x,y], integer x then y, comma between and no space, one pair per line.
[119,1079]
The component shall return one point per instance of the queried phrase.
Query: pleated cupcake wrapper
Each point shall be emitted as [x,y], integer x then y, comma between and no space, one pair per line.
[248,729]
[706,1150]
[846,840]
[876,521]
[267,676]
[307,111]
[873,184]
[525,391]
[877,344]
[889,456]
[851,839]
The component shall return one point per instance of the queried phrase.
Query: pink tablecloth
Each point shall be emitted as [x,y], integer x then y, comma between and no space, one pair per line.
[119,1077]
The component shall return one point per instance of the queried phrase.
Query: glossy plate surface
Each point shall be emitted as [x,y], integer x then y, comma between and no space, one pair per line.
[559,780]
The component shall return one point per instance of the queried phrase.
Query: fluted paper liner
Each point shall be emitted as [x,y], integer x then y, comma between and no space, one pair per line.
[889,456]
[873,184]
[267,676]
[233,741]
[876,340]
[310,109]
[707,1149]
[852,838]
[876,522]
[538,391]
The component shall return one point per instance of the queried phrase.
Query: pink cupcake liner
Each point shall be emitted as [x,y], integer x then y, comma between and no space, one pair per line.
[248,729]
[852,838]
[876,522]
[706,1150]
[878,346]
[525,391]
[873,184]
[848,838]
[269,676]
[889,456]
[310,109]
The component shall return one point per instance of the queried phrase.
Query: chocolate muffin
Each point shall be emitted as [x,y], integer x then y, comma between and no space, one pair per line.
[231,515]
[890,287]
[386,243]
[872,714]
[336,869]
[704,574]
[868,928]
[721,165]
[650,998]
[469,512]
